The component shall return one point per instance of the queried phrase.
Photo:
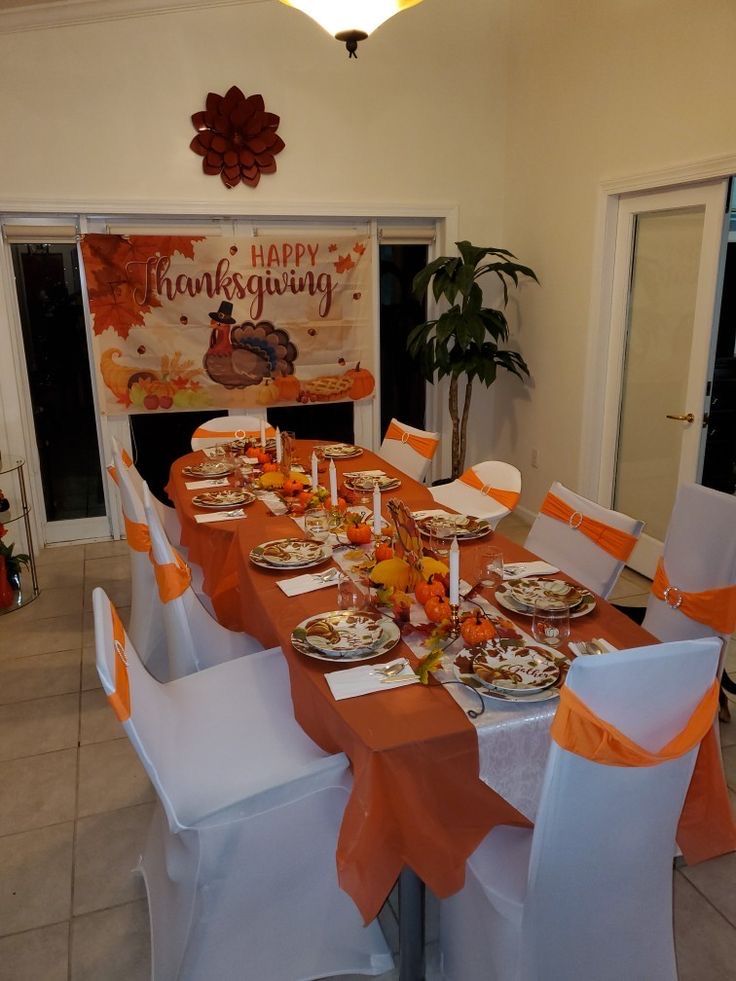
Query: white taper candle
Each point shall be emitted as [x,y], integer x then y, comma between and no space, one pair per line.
[263,434]
[333,484]
[454,572]
[315,475]
[376,509]
[278,445]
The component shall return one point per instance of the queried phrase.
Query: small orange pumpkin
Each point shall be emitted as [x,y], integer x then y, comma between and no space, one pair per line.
[437,609]
[425,590]
[289,387]
[293,487]
[362,382]
[384,551]
[359,534]
[476,629]
[270,467]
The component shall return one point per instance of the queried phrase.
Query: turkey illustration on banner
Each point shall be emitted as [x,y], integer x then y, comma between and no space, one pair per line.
[192,323]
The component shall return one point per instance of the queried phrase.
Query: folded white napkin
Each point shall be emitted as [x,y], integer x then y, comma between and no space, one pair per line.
[520,570]
[273,502]
[204,519]
[607,648]
[304,584]
[364,473]
[201,484]
[364,679]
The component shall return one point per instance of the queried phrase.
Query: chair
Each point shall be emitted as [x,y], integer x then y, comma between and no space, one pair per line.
[193,638]
[146,619]
[699,554]
[489,490]
[588,892]
[409,449]
[588,541]
[167,515]
[239,864]
[222,429]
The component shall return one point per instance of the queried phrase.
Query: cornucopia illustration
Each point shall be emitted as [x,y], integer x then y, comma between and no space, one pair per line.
[172,385]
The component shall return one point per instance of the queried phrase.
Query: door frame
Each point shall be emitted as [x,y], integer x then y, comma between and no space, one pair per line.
[600,314]
[16,425]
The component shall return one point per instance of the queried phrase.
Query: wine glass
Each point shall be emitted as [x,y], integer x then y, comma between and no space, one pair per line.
[317,525]
[551,627]
[440,540]
[491,570]
[350,594]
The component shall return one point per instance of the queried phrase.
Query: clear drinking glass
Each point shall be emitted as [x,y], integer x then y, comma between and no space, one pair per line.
[317,525]
[551,627]
[440,540]
[491,569]
[351,594]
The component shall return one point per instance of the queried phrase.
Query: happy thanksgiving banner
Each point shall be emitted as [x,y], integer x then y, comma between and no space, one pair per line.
[184,323]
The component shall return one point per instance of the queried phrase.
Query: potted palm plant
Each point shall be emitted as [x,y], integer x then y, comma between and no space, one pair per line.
[465,339]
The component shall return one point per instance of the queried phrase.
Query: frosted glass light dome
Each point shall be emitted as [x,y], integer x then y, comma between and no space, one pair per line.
[350,20]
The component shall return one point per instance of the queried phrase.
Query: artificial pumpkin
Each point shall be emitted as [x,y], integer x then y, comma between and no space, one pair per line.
[384,551]
[359,534]
[271,467]
[424,590]
[264,458]
[438,609]
[293,486]
[288,387]
[394,573]
[253,452]
[267,393]
[477,629]
[430,567]
[362,382]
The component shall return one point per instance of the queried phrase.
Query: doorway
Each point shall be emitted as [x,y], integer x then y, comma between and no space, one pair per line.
[68,470]
[667,265]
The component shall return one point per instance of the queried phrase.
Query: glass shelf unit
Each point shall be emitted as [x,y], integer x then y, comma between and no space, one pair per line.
[17,524]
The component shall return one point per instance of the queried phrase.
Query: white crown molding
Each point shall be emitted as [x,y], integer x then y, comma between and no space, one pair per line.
[712,168]
[67,13]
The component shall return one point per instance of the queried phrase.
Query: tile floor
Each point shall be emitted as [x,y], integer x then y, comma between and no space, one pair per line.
[75,802]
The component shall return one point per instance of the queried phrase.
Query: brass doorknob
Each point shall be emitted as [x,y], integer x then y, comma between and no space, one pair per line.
[689,417]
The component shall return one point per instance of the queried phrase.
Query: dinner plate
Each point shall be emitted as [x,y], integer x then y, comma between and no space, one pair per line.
[208,468]
[390,636]
[515,669]
[222,499]
[545,594]
[343,632]
[384,482]
[541,696]
[341,451]
[464,526]
[290,553]
[506,600]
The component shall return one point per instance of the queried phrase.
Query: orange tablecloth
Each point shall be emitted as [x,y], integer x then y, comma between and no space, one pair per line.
[417,799]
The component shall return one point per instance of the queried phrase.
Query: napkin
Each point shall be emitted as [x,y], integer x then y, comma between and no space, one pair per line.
[204,519]
[364,679]
[201,484]
[520,570]
[607,648]
[273,502]
[304,584]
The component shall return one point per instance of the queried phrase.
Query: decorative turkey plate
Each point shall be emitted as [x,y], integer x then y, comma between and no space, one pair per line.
[366,483]
[389,638]
[464,526]
[547,594]
[505,599]
[341,451]
[290,553]
[343,632]
[521,670]
[222,499]
[208,468]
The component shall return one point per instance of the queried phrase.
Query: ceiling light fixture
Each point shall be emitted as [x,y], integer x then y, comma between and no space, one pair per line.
[350,20]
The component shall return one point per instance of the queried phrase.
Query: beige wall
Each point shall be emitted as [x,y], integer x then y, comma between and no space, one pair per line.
[596,91]
[100,112]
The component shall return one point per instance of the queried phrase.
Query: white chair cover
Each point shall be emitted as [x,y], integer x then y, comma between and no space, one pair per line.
[146,620]
[699,554]
[400,454]
[167,515]
[240,860]
[588,893]
[193,638]
[468,500]
[564,546]
[227,426]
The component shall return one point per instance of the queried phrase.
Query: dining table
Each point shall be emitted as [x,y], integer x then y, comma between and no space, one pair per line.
[430,780]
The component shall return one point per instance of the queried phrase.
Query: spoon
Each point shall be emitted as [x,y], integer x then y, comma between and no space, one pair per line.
[390,670]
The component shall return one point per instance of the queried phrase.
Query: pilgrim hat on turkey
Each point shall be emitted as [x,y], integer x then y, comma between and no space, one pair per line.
[223,314]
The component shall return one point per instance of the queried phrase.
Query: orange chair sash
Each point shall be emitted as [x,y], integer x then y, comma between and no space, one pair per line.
[715,608]
[204,433]
[120,698]
[425,446]
[172,578]
[507,498]
[137,534]
[113,473]
[617,543]
[579,730]
[125,457]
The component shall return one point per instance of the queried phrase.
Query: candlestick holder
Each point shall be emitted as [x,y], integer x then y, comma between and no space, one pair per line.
[455,618]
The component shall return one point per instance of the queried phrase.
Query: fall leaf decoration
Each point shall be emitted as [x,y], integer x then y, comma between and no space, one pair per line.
[344,263]
[236,137]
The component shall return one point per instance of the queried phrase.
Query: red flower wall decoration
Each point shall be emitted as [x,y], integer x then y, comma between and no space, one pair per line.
[236,137]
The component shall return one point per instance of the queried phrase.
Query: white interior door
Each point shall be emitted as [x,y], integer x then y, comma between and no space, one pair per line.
[667,269]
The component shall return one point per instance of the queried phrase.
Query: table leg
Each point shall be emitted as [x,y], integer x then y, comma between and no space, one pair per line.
[411,926]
